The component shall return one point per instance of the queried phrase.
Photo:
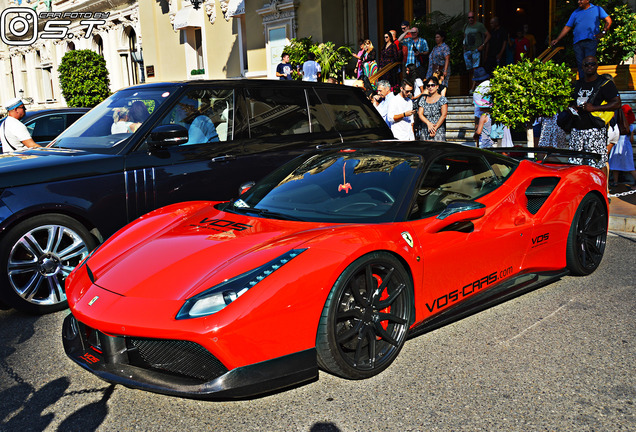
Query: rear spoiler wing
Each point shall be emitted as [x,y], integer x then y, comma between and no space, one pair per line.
[545,154]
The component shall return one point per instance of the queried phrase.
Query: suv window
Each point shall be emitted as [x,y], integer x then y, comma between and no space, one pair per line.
[451,178]
[276,111]
[206,113]
[349,110]
[47,127]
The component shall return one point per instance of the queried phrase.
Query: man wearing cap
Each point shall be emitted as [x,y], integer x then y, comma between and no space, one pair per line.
[13,133]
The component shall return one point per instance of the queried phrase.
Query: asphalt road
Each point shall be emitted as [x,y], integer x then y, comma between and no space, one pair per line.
[560,358]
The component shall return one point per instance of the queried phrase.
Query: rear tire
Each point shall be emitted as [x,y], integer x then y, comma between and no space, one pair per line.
[366,317]
[587,237]
[36,256]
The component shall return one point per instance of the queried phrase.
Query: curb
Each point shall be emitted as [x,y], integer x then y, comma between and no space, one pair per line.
[622,223]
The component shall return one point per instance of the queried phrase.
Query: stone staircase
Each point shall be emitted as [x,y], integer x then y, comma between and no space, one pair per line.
[460,121]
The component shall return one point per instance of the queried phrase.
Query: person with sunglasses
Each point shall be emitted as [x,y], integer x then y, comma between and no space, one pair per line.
[13,133]
[432,111]
[593,93]
[400,113]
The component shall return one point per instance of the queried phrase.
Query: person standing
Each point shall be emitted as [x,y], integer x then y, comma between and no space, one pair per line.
[531,40]
[369,61]
[439,59]
[401,111]
[388,55]
[585,23]
[417,48]
[382,99]
[13,133]
[496,45]
[432,112]
[589,94]
[476,36]
[481,94]
[311,69]
[621,157]
[283,70]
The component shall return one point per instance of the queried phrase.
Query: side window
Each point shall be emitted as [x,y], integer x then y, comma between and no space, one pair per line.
[206,113]
[450,178]
[276,111]
[349,110]
[47,127]
[502,167]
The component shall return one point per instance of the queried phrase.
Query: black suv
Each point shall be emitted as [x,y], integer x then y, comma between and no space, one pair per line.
[148,146]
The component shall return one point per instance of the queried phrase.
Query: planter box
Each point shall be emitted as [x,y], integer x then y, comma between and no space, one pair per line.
[624,75]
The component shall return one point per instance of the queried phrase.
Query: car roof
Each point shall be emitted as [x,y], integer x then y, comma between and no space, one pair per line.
[238,82]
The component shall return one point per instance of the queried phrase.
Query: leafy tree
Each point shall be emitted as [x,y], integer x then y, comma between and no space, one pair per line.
[526,90]
[83,78]
[330,58]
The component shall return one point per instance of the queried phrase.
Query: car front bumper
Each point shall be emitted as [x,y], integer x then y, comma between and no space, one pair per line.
[179,368]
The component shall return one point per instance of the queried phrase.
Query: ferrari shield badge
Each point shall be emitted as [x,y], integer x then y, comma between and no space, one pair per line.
[407,238]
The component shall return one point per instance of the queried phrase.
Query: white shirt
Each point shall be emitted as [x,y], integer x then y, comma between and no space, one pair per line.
[417,87]
[310,71]
[383,107]
[402,129]
[12,133]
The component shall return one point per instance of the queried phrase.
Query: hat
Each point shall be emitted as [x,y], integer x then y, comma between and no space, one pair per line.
[413,30]
[13,103]
[480,74]
[483,102]
[629,114]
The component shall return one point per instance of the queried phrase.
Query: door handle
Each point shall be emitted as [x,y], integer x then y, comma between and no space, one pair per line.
[223,158]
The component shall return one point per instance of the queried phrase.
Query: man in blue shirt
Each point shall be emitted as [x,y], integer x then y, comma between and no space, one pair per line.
[586,22]
[283,70]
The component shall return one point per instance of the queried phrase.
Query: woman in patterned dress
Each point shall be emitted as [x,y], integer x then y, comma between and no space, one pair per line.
[432,112]
[439,59]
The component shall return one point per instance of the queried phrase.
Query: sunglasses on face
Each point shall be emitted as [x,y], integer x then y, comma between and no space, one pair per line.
[589,64]
[431,85]
[471,17]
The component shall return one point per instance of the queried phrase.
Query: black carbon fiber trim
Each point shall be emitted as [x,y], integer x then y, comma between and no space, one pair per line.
[183,358]
[539,191]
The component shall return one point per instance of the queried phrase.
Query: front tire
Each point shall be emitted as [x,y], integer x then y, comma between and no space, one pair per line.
[587,237]
[36,256]
[366,317]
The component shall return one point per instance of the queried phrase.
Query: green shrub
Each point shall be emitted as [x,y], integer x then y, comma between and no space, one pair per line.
[330,58]
[526,90]
[83,78]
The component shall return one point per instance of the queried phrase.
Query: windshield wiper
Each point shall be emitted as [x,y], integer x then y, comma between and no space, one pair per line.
[264,212]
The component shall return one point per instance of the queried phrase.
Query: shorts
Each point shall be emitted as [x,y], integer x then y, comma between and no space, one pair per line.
[472,59]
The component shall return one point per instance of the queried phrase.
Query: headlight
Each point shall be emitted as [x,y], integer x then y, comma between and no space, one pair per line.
[219,296]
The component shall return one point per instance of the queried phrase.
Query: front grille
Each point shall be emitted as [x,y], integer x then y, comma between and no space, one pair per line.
[183,358]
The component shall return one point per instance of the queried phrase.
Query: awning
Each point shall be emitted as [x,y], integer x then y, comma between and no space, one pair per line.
[235,7]
[188,17]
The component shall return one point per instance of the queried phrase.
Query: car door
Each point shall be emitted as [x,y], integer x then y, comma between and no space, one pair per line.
[471,254]
[206,167]
[284,122]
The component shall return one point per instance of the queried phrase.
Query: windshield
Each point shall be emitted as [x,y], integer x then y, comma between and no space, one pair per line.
[113,120]
[347,186]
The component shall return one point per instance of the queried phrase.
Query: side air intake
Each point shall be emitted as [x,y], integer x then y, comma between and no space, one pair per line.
[539,191]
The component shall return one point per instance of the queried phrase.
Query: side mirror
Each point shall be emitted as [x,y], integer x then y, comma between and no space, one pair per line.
[245,187]
[167,136]
[457,211]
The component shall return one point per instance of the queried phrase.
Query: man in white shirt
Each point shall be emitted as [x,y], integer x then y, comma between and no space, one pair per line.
[311,69]
[13,133]
[382,99]
[401,112]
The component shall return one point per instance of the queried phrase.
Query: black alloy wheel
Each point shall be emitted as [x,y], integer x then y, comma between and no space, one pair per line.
[36,256]
[587,237]
[366,317]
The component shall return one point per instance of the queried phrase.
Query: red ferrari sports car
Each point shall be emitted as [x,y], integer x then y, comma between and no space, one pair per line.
[329,262]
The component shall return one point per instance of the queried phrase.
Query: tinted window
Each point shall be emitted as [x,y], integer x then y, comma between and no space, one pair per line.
[342,187]
[349,109]
[47,127]
[275,111]
[502,167]
[206,113]
[450,178]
